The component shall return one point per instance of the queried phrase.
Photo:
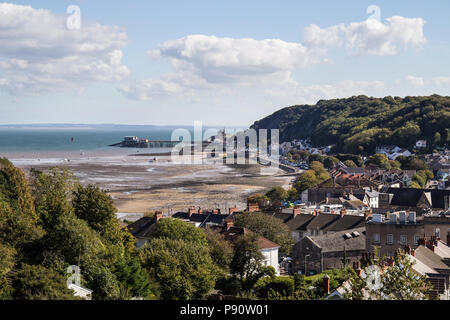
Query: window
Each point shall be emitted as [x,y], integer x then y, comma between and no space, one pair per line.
[437,233]
[403,239]
[416,240]
[376,238]
[390,239]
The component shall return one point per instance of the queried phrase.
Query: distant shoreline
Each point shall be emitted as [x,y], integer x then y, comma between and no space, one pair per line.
[162,154]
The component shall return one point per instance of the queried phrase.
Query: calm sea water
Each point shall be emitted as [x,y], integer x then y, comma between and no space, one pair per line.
[54,140]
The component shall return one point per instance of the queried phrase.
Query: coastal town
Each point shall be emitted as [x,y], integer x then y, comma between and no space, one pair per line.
[355,212]
[224,159]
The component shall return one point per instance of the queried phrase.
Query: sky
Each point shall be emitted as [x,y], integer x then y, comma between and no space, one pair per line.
[226,63]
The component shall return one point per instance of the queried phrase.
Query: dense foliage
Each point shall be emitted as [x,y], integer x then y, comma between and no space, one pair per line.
[269,227]
[359,124]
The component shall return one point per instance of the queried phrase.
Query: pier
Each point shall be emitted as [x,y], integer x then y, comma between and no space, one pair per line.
[135,142]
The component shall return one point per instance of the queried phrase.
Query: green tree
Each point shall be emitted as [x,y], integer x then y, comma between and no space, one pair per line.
[292,195]
[15,189]
[257,198]
[17,228]
[397,282]
[134,281]
[183,269]
[437,139]
[97,208]
[39,283]
[400,282]
[51,192]
[176,229]
[102,281]
[356,159]
[330,162]
[277,193]
[350,164]
[316,158]
[307,180]
[319,170]
[407,135]
[7,258]
[220,250]
[379,160]
[74,240]
[267,226]
[284,286]
[412,163]
[247,262]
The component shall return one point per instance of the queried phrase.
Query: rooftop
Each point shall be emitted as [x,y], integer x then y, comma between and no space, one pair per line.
[354,239]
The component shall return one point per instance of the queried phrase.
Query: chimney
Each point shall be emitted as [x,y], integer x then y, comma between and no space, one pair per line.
[253,207]
[229,224]
[357,268]
[158,215]
[297,211]
[343,212]
[408,249]
[326,284]
[232,210]
[422,241]
[431,244]
[192,211]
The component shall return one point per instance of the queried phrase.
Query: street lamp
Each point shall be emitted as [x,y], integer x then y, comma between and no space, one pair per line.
[308,255]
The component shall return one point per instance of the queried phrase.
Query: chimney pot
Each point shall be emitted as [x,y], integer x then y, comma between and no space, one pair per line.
[158,215]
[192,211]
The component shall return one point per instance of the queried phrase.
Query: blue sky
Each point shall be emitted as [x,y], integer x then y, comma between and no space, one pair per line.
[220,62]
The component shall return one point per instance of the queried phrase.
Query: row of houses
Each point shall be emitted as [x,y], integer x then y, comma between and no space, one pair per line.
[387,198]
[144,228]
[371,176]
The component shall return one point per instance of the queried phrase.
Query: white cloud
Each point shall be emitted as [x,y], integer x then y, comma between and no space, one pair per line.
[221,64]
[416,81]
[441,81]
[39,54]
[227,59]
[208,62]
[370,37]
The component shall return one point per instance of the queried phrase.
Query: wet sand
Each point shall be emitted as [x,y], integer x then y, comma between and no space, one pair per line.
[139,185]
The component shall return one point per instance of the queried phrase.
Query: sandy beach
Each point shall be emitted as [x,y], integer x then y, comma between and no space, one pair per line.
[140,185]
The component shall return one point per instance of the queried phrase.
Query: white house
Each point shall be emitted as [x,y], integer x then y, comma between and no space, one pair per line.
[393,152]
[270,252]
[421,144]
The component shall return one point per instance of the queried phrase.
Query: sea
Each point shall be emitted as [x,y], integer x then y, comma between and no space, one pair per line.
[27,145]
[83,138]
